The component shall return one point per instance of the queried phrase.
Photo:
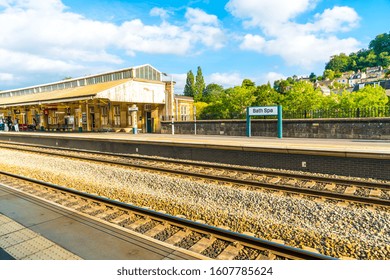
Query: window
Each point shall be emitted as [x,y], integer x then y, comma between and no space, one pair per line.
[117,115]
[147,73]
[107,78]
[127,74]
[184,112]
[98,79]
[104,111]
[90,81]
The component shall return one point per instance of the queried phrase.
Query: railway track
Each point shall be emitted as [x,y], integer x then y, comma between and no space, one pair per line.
[207,241]
[372,193]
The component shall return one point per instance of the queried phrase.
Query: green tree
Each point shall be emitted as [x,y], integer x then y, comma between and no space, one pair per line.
[384,59]
[266,95]
[371,59]
[238,98]
[199,85]
[282,86]
[339,63]
[331,101]
[381,43]
[347,100]
[200,106]
[210,91]
[247,83]
[229,104]
[329,74]
[370,96]
[217,108]
[302,96]
[189,87]
[312,77]
[338,86]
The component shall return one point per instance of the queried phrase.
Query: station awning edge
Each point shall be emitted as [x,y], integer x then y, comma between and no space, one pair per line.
[57,96]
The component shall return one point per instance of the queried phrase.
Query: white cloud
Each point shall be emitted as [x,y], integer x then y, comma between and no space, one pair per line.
[180,80]
[160,12]
[6,77]
[265,13]
[337,19]
[197,16]
[233,79]
[46,36]
[205,28]
[304,50]
[162,39]
[225,79]
[18,61]
[302,44]
[253,42]
[271,77]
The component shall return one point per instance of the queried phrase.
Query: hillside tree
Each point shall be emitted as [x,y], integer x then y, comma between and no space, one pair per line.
[199,85]
[190,82]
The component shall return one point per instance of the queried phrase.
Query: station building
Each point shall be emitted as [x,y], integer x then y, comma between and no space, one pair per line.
[132,100]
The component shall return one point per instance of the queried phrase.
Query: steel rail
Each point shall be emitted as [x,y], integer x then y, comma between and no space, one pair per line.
[318,178]
[254,242]
[278,187]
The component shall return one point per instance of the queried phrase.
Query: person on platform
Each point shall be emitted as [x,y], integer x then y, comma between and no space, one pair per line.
[9,123]
[16,125]
[35,123]
[6,128]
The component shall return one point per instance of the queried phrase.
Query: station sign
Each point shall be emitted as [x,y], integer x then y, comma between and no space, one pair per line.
[132,109]
[263,111]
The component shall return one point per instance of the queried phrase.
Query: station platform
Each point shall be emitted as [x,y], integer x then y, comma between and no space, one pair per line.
[33,229]
[345,157]
[313,145]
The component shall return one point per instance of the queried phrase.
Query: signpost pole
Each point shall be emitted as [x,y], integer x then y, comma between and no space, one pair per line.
[248,123]
[280,122]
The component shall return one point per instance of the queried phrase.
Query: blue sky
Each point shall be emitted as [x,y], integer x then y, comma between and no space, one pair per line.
[44,41]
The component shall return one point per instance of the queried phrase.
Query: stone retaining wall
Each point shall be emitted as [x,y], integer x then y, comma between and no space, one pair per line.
[367,128]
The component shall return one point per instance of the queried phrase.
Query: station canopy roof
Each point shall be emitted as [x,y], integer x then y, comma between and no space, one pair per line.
[62,95]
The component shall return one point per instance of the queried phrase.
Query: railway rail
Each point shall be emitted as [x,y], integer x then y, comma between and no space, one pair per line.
[366,192]
[207,241]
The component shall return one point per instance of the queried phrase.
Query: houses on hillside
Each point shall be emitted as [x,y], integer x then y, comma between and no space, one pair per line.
[354,81]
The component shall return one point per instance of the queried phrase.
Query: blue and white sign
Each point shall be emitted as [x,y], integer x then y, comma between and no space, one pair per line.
[263,111]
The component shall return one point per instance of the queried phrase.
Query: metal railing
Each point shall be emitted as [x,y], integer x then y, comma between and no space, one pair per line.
[179,118]
[366,112]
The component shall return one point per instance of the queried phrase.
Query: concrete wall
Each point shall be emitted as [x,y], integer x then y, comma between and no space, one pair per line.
[367,128]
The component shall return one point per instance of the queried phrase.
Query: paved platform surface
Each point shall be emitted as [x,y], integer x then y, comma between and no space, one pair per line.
[20,243]
[297,144]
[31,229]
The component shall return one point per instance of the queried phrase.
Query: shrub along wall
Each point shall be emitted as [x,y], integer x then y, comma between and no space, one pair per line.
[364,128]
